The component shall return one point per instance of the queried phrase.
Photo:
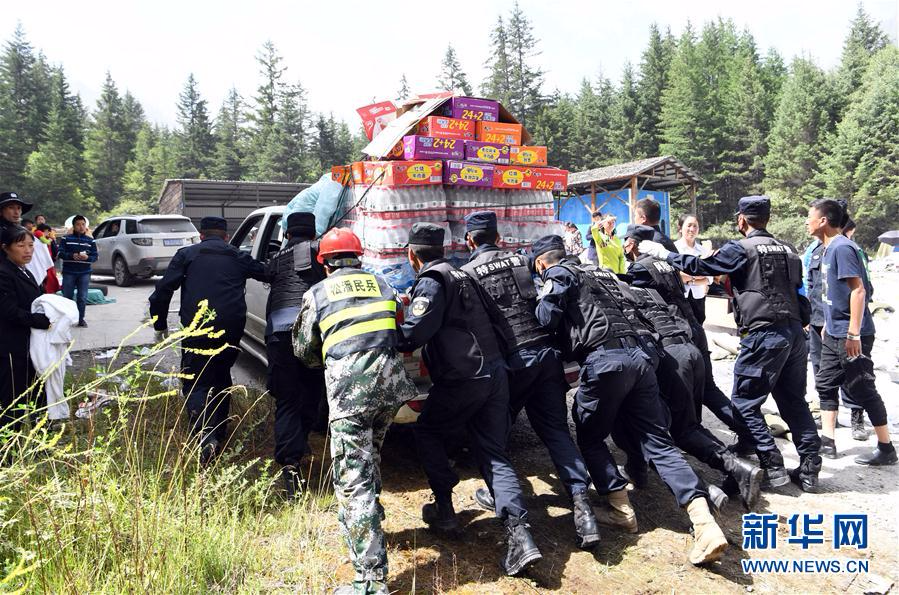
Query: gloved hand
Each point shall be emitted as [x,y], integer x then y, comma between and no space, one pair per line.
[160,335]
[40,321]
[653,249]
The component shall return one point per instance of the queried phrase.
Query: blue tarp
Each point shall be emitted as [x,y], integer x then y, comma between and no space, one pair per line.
[578,211]
[323,198]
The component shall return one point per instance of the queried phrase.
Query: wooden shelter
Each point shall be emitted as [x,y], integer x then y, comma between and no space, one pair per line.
[624,181]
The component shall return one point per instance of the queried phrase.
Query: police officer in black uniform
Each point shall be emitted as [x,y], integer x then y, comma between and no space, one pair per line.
[448,319]
[296,388]
[580,304]
[648,271]
[215,271]
[680,375]
[536,376]
[766,276]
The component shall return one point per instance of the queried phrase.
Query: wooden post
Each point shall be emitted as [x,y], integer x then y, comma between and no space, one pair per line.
[693,199]
[592,198]
[633,198]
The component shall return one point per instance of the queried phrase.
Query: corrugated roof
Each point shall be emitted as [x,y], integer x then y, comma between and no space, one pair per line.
[236,190]
[662,171]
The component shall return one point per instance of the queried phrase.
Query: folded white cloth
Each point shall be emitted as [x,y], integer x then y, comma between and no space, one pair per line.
[49,347]
[40,261]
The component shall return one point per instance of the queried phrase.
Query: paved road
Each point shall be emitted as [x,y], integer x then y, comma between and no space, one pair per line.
[109,324]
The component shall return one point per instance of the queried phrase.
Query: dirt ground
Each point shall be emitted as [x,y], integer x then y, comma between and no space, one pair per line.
[654,559]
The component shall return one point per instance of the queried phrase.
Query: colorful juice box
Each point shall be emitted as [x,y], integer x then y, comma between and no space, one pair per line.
[398,173]
[499,132]
[517,177]
[528,156]
[486,152]
[465,173]
[472,108]
[428,147]
[443,127]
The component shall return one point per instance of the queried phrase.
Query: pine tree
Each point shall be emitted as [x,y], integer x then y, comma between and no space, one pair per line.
[865,39]
[796,140]
[21,122]
[452,77]
[139,188]
[52,176]
[864,161]
[555,126]
[403,93]
[652,81]
[498,84]
[325,152]
[262,157]
[290,160]
[133,120]
[195,144]
[627,138]
[591,143]
[525,93]
[229,143]
[107,150]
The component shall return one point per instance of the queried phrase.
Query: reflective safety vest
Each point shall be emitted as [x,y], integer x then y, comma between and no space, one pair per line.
[356,312]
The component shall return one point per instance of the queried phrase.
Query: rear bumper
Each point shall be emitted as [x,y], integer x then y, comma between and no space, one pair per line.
[147,267]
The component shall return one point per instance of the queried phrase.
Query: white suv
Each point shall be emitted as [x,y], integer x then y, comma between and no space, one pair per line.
[141,246]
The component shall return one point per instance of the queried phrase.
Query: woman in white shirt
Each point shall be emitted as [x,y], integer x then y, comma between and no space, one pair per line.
[697,287]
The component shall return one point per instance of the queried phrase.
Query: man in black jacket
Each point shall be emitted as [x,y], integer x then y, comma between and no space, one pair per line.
[217,272]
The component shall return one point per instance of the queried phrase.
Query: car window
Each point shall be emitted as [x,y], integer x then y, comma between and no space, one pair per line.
[166,226]
[112,229]
[273,237]
[246,235]
[130,226]
[101,229]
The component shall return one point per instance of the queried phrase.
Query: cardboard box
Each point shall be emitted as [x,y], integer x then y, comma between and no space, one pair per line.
[472,108]
[397,152]
[376,117]
[533,156]
[486,152]
[428,147]
[443,127]
[517,177]
[398,173]
[499,132]
[342,174]
[466,173]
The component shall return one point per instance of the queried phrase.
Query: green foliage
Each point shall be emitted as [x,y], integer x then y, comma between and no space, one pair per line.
[652,80]
[525,96]
[107,149]
[194,141]
[451,77]
[796,142]
[865,39]
[230,140]
[864,162]
[498,83]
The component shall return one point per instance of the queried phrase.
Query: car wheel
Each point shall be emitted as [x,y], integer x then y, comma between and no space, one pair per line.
[123,277]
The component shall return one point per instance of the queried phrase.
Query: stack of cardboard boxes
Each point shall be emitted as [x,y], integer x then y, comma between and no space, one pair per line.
[460,159]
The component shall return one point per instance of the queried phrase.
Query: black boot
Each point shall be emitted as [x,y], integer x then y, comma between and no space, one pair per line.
[773,464]
[521,549]
[209,451]
[747,476]
[441,517]
[859,432]
[742,447]
[718,498]
[293,482]
[884,454]
[828,448]
[484,499]
[806,474]
[585,524]
[637,474]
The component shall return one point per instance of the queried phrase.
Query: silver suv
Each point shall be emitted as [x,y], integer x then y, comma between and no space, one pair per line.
[140,246]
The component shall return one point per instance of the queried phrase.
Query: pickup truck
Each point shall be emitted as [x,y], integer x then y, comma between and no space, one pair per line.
[261,236]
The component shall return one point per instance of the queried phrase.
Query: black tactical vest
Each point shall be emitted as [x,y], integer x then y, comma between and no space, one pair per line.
[596,316]
[507,279]
[632,308]
[466,341]
[665,318]
[291,272]
[766,293]
[356,312]
[666,280]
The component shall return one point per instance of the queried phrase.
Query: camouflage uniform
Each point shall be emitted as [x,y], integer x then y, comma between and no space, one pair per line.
[364,391]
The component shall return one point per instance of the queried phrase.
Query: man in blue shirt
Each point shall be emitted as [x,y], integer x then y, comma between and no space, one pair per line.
[77,251]
[848,333]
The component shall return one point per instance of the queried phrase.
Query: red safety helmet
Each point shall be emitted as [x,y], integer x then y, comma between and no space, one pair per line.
[338,240]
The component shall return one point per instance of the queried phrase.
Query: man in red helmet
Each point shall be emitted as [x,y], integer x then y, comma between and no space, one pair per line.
[347,323]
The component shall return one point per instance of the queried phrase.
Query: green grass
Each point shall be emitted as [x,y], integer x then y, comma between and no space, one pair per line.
[118,503]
